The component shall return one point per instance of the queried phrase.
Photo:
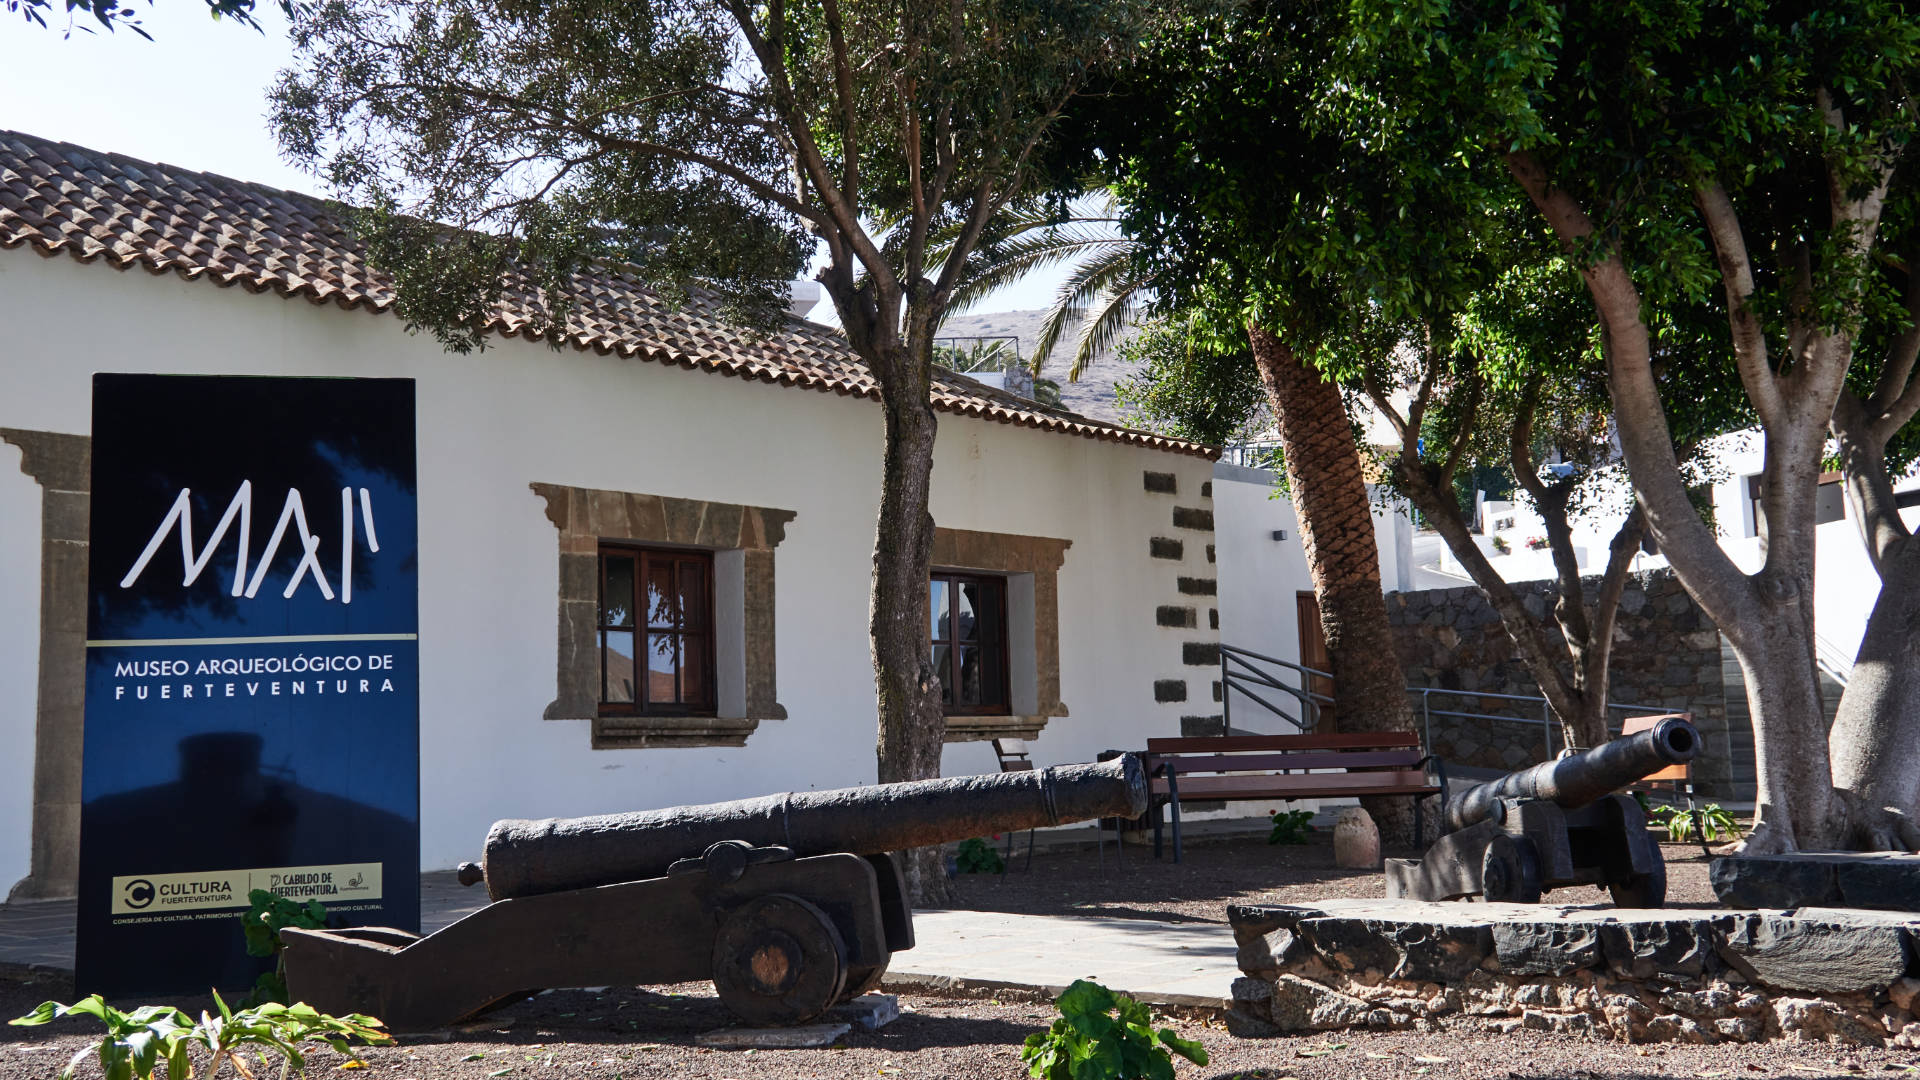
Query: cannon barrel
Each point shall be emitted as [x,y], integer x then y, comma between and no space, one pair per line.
[1578,779]
[527,858]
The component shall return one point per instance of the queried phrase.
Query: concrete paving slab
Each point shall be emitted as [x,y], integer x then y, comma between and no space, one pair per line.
[1162,963]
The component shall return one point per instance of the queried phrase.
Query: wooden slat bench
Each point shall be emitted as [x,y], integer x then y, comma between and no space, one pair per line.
[1269,768]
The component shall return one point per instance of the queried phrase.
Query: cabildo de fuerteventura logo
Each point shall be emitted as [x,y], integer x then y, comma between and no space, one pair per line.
[292,513]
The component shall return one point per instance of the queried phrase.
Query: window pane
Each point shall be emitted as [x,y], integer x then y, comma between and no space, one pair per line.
[693,670]
[939,608]
[616,666]
[989,612]
[693,594]
[662,657]
[616,591]
[660,607]
[943,667]
[972,675]
[965,598]
[993,679]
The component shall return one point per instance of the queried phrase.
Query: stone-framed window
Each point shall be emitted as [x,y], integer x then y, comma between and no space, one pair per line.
[1030,566]
[740,539]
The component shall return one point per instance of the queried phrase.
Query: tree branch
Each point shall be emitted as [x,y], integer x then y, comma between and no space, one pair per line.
[1641,421]
[1736,273]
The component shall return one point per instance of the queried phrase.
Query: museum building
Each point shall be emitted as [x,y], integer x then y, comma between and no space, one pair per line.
[561,494]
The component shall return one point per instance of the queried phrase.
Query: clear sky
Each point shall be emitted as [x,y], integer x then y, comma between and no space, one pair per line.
[194,96]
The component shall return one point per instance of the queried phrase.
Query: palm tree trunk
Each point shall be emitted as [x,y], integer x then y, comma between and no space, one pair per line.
[1336,528]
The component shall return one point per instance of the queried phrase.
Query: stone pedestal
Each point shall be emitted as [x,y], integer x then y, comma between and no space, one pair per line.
[1881,880]
[1696,975]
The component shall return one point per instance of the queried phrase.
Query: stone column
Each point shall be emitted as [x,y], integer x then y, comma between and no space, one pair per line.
[62,465]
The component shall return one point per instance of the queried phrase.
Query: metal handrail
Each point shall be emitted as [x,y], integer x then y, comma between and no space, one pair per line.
[1310,701]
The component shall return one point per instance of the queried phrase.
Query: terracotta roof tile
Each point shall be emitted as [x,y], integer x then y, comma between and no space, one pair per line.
[62,198]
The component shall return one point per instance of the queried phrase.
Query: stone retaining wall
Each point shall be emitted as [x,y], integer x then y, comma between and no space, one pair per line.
[1666,653]
[1699,976]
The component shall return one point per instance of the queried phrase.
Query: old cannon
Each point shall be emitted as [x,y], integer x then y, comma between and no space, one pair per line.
[789,903]
[1558,823]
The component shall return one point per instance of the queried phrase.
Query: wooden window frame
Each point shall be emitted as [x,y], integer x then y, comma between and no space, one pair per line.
[998,584]
[642,629]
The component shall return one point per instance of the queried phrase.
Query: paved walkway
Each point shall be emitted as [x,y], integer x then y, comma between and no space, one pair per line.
[1163,963]
[1188,964]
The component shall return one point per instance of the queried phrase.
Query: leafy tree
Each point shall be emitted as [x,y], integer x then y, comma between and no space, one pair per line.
[710,144]
[112,14]
[1188,386]
[1236,196]
[1682,152]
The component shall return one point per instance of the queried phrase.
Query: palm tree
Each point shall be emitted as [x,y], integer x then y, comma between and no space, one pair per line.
[1102,293]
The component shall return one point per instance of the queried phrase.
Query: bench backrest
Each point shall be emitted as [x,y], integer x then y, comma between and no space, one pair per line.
[1357,752]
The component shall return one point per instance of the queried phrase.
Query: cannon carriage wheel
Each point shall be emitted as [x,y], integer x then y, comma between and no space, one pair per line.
[779,959]
[1510,871]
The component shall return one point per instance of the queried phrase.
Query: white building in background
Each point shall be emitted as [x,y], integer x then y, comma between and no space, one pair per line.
[657,427]
[1845,585]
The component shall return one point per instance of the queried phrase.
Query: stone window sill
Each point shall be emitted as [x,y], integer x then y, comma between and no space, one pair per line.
[635,732]
[981,728]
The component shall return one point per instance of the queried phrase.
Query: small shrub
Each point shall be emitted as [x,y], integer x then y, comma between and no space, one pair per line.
[1290,826]
[1101,1035]
[262,924]
[1715,822]
[978,857]
[140,1041]
[1500,545]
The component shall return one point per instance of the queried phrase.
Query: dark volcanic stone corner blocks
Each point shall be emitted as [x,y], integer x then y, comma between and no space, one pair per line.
[1166,690]
[1164,547]
[1173,615]
[1187,517]
[1161,483]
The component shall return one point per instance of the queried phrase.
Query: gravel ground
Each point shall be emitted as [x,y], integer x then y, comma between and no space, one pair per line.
[1213,874]
[629,1034]
[622,1034]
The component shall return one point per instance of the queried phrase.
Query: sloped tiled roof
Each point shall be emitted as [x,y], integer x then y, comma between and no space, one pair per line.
[62,198]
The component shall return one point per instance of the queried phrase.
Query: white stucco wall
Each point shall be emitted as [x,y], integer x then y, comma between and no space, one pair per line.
[493,422]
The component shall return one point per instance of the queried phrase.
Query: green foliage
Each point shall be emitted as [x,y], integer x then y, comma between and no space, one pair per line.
[978,857]
[1500,545]
[111,14]
[1190,386]
[262,925]
[1101,1035]
[1290,826]
[152,1036]
[1716,822]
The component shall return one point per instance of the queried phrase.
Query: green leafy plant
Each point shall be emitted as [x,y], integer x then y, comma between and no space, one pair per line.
[138,1042]
[978,857]
[1101,1035]
[1716,823]
[1290,826]
[1500,545]
[262,925]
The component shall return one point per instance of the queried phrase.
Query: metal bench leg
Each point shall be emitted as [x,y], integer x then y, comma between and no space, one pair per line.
[1173,796]
[1029,866]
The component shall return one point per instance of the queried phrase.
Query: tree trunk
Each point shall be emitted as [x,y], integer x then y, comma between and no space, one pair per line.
[1878,725]
[1796,805]
[913,726]
[1336,528]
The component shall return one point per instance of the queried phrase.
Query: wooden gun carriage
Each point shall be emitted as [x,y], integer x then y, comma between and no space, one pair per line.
[789,903]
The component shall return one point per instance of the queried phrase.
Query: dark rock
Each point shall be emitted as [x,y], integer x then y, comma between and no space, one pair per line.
[1302,1005]
[1640,950]
[1820,955]
[1772,882]
[1883,882]
[1415,949]
[1546,948]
